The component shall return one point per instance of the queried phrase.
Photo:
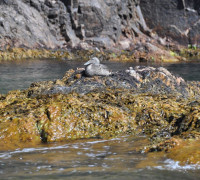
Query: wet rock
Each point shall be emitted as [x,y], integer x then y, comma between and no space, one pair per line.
[24,53]
[156,105]
[134,74]
[148,79]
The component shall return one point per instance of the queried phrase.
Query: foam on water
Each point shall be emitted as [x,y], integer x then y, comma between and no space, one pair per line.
[170,164]
[8,154]
[83,146]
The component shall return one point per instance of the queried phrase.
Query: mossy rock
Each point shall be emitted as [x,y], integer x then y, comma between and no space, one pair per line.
[159,106]
[22,53]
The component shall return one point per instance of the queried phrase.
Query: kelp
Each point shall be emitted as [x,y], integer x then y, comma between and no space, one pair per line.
[159,105]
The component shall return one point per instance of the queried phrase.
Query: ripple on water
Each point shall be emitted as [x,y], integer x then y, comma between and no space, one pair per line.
[101,159]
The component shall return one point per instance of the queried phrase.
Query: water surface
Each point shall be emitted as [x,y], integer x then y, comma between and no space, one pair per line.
[85,159]
[20,74]
[91,159]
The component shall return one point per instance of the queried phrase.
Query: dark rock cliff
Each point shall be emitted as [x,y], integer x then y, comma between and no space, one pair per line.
[59,23]
[106,23]
[178,19]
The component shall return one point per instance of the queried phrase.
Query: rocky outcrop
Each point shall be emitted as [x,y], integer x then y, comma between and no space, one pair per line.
[24,23]
[108,24]
[177,19]
[139,101]
[138,80]
[59,23]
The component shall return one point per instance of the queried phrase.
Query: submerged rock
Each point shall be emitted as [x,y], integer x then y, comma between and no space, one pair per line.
[154,103]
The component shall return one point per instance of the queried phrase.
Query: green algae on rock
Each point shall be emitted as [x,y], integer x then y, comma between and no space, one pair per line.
[22,53]
[151,102]
[190,53]
[84,55]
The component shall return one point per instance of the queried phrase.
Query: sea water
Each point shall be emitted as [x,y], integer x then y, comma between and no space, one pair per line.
[87,158]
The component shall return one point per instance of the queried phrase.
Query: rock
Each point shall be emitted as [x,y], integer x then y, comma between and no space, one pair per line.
[149,79]
[159,105]
[134,74]
[110,24]
[181,24]
[58,23]
[22,27]
[125,44]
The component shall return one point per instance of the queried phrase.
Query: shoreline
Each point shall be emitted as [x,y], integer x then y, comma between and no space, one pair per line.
[121,55]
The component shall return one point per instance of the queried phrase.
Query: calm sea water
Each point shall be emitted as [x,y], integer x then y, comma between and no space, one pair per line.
[20,74]
[85,159]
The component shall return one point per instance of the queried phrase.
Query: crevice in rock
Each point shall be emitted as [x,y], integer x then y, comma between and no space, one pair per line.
[181,4]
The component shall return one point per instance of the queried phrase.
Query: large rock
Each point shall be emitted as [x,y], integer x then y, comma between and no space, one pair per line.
[23,25]
[178,19]
[106,23]
[58,23]
[139,101]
